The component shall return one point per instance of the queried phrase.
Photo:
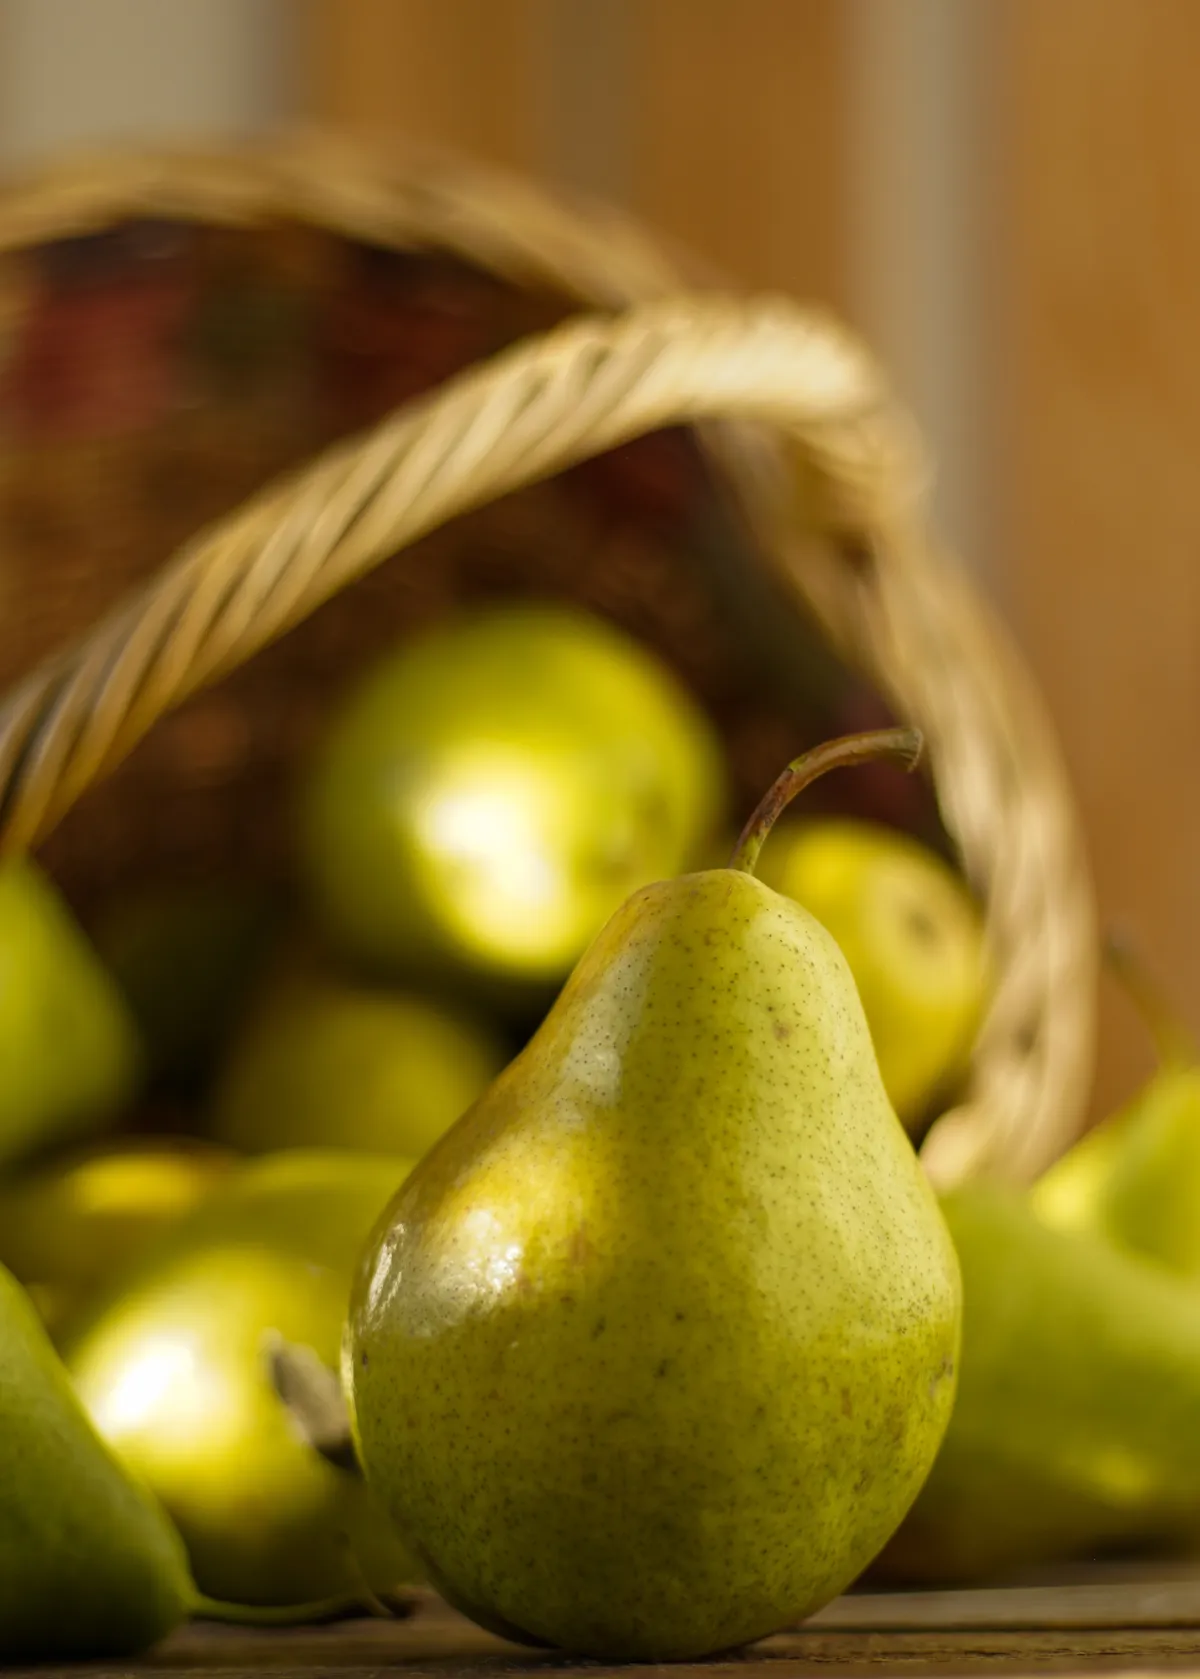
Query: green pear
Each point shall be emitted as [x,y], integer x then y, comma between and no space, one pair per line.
[327,1061]
[90,1567]
[487,796]
[1135,1177]
[653,1350]
[70,1058]
[176,1365]
[186,955]
[1075,1423]
[913,936]
[69,1223]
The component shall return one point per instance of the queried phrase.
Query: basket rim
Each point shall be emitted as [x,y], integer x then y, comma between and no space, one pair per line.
[419,198]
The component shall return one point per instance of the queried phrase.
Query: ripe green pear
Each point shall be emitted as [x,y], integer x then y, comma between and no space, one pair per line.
[1135,1178]
[68,1223]
[70,1057]
[325,1061]
[175,1365]
[1075,1423]
[90,1567]
[489,794]
[913,937]
[652,1352]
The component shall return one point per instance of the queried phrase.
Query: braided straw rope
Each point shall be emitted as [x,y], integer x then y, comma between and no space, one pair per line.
[906,616]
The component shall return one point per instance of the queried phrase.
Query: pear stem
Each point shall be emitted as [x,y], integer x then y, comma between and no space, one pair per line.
[905,745]
[317,1612]
[1174,1044]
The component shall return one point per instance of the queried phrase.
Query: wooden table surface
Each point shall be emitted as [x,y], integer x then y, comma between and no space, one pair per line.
[1100,1621]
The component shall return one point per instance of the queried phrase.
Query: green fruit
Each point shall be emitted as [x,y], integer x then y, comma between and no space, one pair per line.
[327,1062]
[70,1059]
[653,1350]
[67,1224]
[1135,1178]
[90,1567]
[1075,1423]
[175,1365]
[491,792]
[186,956]
[912,935]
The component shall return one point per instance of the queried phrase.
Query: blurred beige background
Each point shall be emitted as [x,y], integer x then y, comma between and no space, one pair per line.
[1003,195]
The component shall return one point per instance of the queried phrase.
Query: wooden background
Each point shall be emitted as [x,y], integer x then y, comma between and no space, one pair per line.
[1070,249]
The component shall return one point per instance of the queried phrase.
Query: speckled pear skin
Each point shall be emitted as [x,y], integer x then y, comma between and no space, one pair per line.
[653,1351]
[90,1566]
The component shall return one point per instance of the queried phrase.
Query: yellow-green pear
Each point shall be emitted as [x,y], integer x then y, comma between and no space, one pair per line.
[1075,1423]
[69,1222]
[913,937]
[176,1365]
[90,1567]
[328,1061]
[1135,1178]
[488,794]
[70,1057]
[653,1350]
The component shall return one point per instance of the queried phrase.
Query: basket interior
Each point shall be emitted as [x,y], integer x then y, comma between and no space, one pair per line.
[154,375]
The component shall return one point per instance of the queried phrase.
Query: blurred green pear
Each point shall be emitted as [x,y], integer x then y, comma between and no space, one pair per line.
[1135,1177]
[69,1222]
[913,937]
[325,1061]
[491,792]
[70,1056]
[176,1363]
[1074,1428]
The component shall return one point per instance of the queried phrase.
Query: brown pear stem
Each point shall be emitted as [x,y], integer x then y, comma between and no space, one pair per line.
[905,745]
[1174,1044]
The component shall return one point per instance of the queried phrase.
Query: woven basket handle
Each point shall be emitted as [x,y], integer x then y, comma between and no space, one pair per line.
[533,411]
[547,404]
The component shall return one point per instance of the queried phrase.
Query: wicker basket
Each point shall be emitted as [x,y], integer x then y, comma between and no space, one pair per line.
[768,535]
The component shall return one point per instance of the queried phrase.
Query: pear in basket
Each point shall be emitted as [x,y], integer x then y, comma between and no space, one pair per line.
[324,1060]
[652,1352]
[490,793]
[913,936]
[70,1056]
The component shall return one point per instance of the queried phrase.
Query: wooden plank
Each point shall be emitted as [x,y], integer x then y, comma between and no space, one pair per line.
[855,1636]
[737,139]
[1097,271]
[1093,1606]
[723,126]
[469,75]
